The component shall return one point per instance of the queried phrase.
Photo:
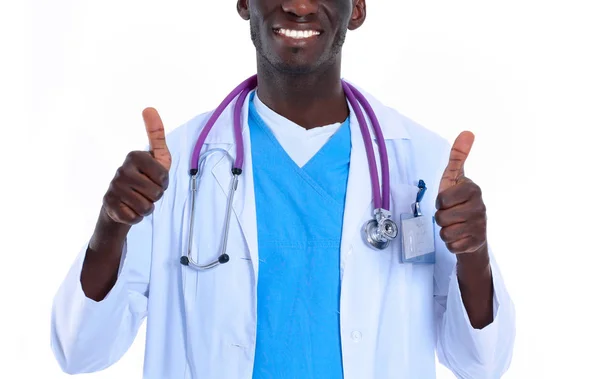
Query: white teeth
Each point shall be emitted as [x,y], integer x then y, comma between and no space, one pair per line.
[298,34]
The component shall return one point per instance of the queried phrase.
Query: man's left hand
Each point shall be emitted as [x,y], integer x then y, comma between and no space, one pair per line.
[461,212]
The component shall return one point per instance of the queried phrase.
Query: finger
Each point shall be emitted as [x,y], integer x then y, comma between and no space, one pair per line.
[156,137]
[143,185]
[476,231]
[457,194]
[120,213]
[466,245]
[455,169]
[130,215]
[456,232]
[148,166]
[136,202]
[460,213]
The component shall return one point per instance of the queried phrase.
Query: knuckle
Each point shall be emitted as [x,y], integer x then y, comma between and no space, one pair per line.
[121,171]
[164,179]
[136,154]
[132,156]
[128,215]
[482,208]
[459,246]
[438,218]
[158,194]
[134,159]
[452,247]
[110,200]
[439,201]
[445,234]
[149,209]
[107,202]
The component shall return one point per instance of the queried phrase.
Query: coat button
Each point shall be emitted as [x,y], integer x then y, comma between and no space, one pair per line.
[356,335]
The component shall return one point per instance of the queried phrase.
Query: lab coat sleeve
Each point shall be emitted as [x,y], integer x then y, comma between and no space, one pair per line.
[89,336]
[468,352]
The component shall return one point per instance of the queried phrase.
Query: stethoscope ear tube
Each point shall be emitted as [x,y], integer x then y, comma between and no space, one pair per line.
[380,230]
[223,258]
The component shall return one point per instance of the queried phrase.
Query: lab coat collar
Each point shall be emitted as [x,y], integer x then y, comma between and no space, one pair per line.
[222,131]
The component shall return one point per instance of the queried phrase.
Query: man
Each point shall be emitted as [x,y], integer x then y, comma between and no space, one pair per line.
[303,295]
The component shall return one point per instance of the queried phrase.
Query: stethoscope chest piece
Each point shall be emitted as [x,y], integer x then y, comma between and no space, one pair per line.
[381,230]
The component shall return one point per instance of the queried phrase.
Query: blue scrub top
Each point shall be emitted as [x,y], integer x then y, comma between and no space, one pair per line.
[299,215]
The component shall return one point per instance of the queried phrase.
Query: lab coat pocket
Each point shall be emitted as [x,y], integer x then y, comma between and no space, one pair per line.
[402,197]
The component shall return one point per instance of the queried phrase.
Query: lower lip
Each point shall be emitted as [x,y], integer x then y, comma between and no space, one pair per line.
[296,41]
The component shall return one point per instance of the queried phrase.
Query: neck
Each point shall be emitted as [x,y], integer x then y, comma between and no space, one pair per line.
[309,100]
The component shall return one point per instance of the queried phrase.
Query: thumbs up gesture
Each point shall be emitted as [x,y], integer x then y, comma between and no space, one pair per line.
[143,177]
[461,212]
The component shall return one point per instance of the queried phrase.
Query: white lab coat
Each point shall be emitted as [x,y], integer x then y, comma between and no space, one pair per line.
[394,316]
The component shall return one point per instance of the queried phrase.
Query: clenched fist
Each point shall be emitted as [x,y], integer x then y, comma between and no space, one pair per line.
[461,212]
[143,177]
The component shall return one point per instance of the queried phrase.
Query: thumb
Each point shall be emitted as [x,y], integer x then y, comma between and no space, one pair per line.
[156,136]
[455,170]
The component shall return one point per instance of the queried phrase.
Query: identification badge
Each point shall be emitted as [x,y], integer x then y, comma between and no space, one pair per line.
[417,231]
[418,243]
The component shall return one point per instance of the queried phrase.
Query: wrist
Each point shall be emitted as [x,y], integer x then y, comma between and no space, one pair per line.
[109,235]
[471,266]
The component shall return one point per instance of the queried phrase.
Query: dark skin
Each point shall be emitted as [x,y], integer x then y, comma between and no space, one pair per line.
[300,80]
[302,83]
[137,185]
[462,217]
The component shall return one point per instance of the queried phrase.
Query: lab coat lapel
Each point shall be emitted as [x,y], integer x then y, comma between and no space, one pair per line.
[244,205]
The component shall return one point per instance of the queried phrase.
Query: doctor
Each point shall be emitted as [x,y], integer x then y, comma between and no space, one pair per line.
[302,293]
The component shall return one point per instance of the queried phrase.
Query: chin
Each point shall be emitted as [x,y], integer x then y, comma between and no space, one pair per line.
[294,68]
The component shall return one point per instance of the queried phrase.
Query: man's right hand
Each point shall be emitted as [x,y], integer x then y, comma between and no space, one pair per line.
[143,177]
[138,184]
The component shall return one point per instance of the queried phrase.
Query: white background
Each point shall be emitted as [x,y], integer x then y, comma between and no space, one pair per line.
[522,75]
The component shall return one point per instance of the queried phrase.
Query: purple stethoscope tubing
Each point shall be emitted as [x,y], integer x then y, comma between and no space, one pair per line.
[379,231]
[381,199]
[243,89]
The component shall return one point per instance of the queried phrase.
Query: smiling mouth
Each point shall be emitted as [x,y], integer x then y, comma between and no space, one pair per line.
[297,34]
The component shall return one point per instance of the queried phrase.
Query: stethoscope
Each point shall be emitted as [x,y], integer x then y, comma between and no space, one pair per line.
[378,232]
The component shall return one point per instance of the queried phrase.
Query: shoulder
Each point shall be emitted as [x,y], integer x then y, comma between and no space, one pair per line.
[431,150]
[429,145]
[420,135]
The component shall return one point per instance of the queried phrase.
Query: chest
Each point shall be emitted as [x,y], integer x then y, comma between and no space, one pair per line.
[222,303]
